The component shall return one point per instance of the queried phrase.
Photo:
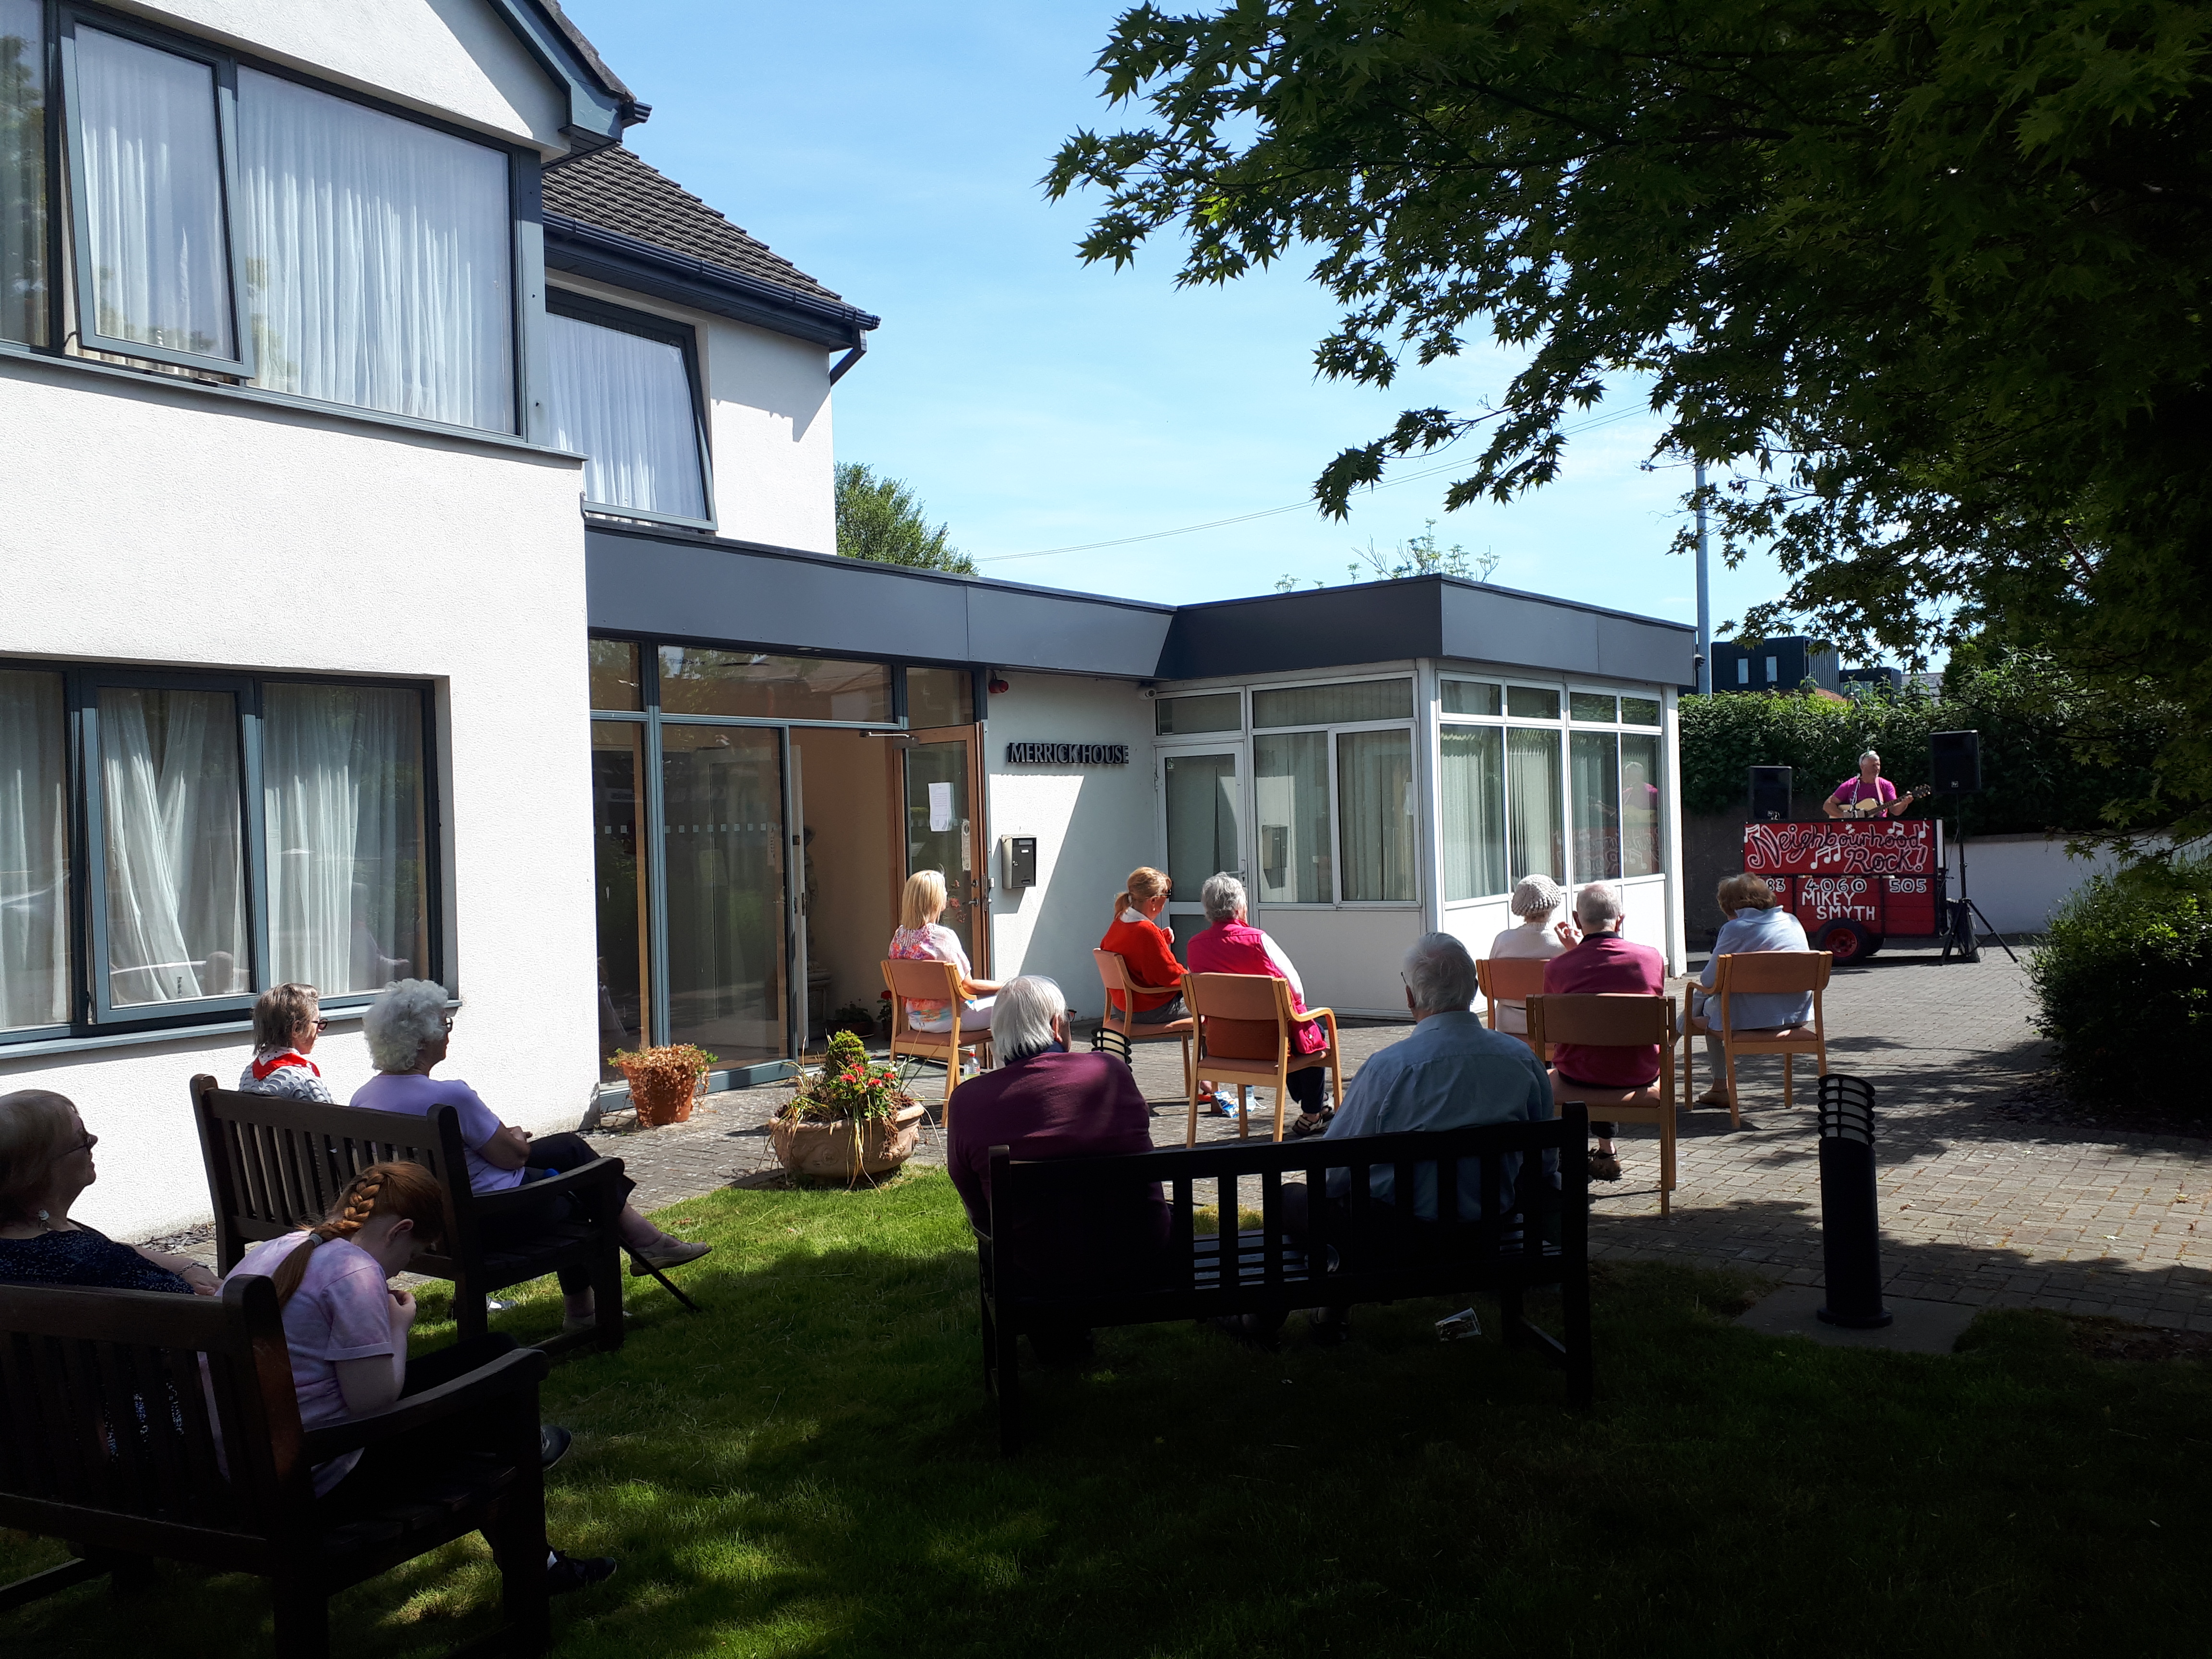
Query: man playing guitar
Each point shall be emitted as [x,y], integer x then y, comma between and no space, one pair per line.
[1868,794]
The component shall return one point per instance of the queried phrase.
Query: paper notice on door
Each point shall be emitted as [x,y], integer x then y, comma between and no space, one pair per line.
[941,808]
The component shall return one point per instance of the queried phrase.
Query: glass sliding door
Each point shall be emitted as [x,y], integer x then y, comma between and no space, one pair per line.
[1200,796]
[619,891]
[722,839]
[941,831]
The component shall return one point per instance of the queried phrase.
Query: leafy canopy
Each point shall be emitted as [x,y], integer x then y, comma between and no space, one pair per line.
[1924,279]
[879,519]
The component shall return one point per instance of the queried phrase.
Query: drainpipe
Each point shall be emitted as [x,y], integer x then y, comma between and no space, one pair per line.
[859,350]
[1704,596]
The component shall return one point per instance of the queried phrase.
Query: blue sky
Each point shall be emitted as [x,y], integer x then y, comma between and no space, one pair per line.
[1033,402]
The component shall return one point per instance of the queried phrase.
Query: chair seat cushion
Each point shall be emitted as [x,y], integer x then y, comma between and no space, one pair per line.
[1648,1096]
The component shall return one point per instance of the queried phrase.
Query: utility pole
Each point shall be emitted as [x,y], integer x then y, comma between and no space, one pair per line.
[1704,597]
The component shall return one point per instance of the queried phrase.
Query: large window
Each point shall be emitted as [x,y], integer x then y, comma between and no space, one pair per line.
[625,397]
[241,834]
[22,172]
[236,222]
[1337,808]
[699,680]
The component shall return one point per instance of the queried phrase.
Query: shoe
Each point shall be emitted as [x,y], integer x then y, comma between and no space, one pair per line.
[674,1254]
[1604,1166]
[1328,1327]
[572,1323]
[553,1443]
[566,1573]
[1712,1097]
[1309,1123]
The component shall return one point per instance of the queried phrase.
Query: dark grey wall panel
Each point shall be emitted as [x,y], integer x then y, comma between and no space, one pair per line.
[1024,627]
[1527,630]
[1321,628]
[1631,649]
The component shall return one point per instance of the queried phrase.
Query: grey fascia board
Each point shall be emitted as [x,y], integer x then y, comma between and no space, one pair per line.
[1529,631]
[638,581]
[597,111]
[608,256]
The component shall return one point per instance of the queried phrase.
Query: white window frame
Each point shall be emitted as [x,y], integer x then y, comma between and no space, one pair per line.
[1411,726]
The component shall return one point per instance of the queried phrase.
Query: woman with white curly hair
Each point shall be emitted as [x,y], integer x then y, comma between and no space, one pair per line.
[1541,935]
[407,1031]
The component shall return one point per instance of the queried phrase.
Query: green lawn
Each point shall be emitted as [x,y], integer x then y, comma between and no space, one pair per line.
[810,1468]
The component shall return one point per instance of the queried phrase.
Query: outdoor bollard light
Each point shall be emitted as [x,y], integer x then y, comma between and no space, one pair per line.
[1850,1235]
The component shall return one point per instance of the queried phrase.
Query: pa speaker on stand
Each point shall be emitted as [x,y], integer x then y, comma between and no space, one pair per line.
[1770,794]
[1955,768]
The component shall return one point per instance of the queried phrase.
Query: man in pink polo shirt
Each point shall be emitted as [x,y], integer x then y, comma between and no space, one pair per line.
[1603,961]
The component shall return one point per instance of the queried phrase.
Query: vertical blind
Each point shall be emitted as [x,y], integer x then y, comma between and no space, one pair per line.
[376,262]
[23,174]
[1473,786]
[157,256]
[1290,779]
[623,402]
[1534,832]
[1374,814]
[35,871]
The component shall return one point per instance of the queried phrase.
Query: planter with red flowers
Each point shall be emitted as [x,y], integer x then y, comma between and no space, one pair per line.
[849,1120]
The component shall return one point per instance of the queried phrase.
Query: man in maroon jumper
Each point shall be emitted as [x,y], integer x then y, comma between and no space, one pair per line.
[1603,961]
[1041,1101]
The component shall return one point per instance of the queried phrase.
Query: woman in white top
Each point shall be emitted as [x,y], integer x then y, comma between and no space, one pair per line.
[1541,935]
[921,938]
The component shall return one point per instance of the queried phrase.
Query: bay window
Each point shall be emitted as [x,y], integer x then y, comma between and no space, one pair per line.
[240,833]
[625,397]
[231,220]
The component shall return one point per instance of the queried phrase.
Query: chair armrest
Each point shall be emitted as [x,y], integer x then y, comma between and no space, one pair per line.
[1156,990]
[514,1373]
[1313,1014]
[600,1171]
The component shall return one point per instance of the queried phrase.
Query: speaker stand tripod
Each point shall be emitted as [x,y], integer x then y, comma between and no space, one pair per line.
[1964,914]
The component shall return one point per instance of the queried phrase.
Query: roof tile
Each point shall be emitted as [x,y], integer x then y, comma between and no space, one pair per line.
[617,191]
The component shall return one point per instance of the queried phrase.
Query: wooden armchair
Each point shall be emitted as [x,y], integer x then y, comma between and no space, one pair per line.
[1509,979]
[1616,1021]
[1766,973]
[908,978]
[114,1402]
[276,1166]
[1114,975]
[1244,1025]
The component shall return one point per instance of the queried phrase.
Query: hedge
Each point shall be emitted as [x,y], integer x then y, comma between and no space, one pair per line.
[2125,985]
[2052,760]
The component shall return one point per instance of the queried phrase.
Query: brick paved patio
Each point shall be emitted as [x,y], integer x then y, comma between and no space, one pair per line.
[1974,1210]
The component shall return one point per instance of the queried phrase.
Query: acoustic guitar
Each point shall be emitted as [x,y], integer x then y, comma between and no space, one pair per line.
[1870,809]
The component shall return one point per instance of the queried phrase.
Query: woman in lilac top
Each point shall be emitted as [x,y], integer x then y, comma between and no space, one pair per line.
[408,1031]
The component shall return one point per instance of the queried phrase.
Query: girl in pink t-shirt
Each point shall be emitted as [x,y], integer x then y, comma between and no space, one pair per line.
[346,1325]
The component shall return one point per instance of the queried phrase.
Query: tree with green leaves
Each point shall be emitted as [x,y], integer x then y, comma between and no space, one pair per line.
[879,519]
[1922,279]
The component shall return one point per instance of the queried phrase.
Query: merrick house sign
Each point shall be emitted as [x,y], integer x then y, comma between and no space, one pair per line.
[1067,754]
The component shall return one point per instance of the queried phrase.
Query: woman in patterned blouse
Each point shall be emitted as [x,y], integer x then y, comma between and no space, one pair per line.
[45,1163]
[287,1020]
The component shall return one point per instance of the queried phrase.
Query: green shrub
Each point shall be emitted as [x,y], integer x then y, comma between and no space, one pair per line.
[2053,758]
[2124,984]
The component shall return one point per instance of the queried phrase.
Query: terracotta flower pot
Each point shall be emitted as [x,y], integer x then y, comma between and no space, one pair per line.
[825,1150]
[663,1100]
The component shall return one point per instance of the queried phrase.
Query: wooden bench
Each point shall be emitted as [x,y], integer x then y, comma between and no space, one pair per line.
[1380,1252]
[276,1166]
[111,1444]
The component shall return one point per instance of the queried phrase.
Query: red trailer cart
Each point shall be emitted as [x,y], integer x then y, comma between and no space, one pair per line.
[1855,883]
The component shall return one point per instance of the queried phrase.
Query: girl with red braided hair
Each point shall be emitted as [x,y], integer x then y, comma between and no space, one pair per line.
[346,1327]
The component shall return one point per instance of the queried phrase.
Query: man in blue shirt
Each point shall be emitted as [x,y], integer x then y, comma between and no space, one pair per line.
[1451,1073]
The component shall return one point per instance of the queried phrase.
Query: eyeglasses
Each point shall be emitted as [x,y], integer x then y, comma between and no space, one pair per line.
[321,1026]
[89,1141]
[449,1024]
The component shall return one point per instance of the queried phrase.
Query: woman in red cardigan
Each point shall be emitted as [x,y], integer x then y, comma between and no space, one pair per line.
[1139,939]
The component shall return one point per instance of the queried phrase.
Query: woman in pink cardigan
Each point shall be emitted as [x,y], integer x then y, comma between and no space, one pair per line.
[1231,944]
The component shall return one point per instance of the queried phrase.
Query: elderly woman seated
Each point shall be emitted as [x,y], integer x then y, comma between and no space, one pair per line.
[1231,945]
[46,1164]
[287,1020]
[1541,935]
[408,1031]
[1754,921]
[1042,1101]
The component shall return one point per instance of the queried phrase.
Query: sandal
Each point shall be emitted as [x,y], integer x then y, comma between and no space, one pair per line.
[1604,1166]
[1309,1123]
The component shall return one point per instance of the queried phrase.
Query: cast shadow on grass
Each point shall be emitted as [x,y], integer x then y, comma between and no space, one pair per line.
[810,1468]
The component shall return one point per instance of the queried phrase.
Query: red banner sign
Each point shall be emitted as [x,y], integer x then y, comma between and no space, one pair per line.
[1842,846]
